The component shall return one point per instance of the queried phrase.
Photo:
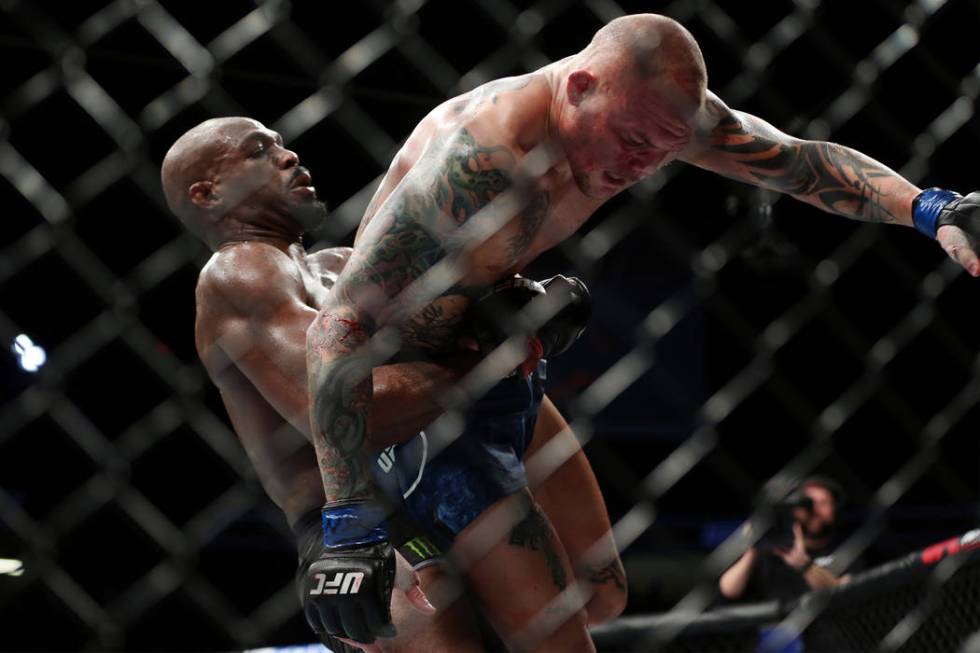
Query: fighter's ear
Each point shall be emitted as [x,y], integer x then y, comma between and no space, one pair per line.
[203,195]
[580,82]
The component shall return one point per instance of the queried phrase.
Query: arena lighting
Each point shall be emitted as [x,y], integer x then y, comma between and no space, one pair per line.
[30,357]
[11,567]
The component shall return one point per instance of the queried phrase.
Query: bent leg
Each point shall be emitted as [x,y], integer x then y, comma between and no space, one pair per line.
[565,487]
[516,568]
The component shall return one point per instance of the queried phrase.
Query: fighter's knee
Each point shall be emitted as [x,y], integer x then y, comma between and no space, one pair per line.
[606,604]
[609,593]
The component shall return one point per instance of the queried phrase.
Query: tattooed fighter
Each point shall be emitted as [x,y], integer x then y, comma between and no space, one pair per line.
[490,179]
[233,183]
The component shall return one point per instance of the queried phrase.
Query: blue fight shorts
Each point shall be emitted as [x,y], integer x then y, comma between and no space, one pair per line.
[445,491]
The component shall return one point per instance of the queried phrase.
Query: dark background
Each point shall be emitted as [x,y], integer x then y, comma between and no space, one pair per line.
[128,497]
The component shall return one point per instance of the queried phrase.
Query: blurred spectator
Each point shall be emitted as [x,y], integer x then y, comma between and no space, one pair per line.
[774,569]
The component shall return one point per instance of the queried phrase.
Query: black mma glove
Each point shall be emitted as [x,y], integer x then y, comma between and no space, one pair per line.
[935,207]
[568,325]
[496,316]
[346,590]
[500,314]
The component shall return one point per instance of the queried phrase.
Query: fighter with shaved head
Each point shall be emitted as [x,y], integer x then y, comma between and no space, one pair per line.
[233,183]
[491,179]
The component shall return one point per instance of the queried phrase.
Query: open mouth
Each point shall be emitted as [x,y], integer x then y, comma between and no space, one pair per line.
[301,178]
[303,183]
[306,191]
[615,180]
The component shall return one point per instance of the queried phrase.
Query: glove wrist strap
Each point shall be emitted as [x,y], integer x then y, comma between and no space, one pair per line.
[926,208]
[353,523]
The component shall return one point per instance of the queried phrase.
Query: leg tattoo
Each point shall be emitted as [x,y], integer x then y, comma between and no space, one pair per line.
[534,532]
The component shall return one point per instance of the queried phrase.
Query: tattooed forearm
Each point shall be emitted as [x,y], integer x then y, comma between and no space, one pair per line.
[830,176]
[341,387]
[430,329]
[611,573]
[534,532]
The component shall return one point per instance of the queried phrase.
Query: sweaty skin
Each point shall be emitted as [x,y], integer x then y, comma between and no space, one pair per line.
[254,303]
[233,183]
[257,296]
[492,178]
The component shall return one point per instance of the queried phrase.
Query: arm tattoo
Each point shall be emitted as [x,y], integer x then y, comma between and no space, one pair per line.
[431,328]
[534,532]
[446,187]
[473,178]
[611,573]
[830,176]
[531,218]
[457,181]
[341,387]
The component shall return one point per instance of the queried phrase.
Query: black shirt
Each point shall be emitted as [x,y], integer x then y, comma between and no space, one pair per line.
[771,578]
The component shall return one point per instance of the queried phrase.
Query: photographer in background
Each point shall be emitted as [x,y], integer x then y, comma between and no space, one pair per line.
[791,559]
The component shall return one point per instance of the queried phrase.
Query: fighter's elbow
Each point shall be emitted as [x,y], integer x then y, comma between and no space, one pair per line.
[729,589]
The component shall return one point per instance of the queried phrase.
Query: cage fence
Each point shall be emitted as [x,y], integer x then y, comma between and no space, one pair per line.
[740,341]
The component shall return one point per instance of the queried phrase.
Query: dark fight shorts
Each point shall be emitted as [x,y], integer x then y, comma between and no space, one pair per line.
[444,492]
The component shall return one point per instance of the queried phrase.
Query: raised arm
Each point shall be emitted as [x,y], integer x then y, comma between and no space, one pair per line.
[251,307]
[833,178]
[735,580]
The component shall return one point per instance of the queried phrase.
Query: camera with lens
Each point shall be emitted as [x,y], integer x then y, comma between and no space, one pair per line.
[780,532]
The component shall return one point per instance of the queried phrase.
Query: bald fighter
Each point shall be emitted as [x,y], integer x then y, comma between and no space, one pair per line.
[490,179]
[233,183]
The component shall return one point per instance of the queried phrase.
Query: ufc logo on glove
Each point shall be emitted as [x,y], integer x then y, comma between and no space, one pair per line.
[342,583]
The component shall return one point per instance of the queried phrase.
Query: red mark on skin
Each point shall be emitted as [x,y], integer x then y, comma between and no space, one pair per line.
[353,328]
[333,331]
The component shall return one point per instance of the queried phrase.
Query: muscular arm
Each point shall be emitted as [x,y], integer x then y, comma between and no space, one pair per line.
[418,226]
[831,177]
[400,165]
[252,317]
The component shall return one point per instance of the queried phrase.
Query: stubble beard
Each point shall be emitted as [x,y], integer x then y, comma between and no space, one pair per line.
[309,215]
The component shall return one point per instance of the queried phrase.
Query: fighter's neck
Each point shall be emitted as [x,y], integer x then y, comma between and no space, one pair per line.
[253,233]
[555,74]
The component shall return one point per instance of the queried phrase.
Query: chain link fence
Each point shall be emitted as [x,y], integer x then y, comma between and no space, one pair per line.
[740,341]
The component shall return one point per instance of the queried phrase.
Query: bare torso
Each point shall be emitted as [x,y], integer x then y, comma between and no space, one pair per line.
[466,153]
[278,448]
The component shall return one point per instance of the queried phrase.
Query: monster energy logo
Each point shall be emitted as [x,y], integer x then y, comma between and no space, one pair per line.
[422,547]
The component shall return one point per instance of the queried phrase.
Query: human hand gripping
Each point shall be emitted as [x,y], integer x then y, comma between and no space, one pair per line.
[795,556]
